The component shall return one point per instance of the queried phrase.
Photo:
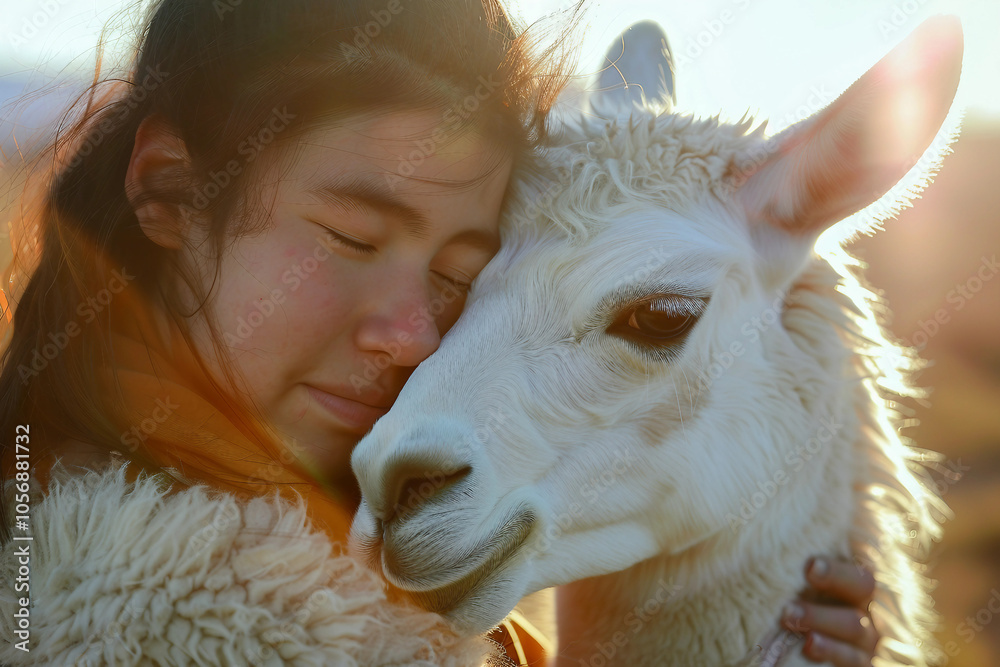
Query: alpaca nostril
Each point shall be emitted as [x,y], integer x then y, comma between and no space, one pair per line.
[414,488]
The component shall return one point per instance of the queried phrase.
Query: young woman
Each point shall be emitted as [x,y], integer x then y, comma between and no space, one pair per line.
[240,254]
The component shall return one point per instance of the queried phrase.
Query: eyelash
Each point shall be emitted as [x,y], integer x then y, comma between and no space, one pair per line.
[363,248]
[366,249]
[456,283]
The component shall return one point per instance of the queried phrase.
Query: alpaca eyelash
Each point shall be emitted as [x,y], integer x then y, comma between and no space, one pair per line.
[674,301]
[665,304]
[659,355]
[671,304]
[632,298]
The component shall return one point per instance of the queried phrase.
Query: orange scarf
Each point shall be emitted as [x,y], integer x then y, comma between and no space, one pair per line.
[184,424]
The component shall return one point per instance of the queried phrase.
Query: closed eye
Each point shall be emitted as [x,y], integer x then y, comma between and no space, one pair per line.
[353,244]
[457,284]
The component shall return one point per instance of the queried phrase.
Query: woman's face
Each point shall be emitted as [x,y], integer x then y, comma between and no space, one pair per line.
[376,233]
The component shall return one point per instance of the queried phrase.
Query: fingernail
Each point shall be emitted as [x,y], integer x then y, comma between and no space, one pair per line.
[792,613]
[817,645]
[819,568]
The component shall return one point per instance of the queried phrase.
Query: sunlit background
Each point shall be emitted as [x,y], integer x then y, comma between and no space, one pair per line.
[776,59]
[734,55]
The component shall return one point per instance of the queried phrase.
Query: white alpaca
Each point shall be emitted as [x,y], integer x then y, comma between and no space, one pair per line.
[662,399]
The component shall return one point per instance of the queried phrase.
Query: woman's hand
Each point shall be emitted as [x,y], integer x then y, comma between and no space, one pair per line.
[838,629]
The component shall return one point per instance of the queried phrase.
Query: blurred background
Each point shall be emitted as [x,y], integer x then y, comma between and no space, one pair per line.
[782,60]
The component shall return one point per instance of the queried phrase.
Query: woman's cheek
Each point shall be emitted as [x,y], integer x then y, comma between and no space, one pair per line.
[306,262]
[321,304]
[251,325]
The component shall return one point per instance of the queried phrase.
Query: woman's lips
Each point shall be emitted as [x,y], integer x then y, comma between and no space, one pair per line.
[355,415]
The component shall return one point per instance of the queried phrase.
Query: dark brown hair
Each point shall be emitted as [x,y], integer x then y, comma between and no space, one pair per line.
[217,71]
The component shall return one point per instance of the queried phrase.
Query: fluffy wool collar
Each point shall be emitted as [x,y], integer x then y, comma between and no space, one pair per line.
[125,573]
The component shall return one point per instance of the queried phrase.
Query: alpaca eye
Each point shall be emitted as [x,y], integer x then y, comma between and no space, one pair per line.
[658,323]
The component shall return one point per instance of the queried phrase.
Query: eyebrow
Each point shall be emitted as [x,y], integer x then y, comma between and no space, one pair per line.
[375,195]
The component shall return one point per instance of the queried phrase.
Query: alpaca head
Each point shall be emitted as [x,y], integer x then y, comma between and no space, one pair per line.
[624,374]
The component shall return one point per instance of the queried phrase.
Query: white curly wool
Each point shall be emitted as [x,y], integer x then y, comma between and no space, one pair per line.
[127,574]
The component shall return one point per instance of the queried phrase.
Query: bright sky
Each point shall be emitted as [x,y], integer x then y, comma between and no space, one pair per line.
[769,57]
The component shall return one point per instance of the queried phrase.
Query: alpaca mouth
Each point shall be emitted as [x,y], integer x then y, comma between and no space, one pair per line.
[492,553]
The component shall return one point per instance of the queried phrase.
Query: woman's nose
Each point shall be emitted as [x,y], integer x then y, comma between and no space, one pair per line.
[405,327]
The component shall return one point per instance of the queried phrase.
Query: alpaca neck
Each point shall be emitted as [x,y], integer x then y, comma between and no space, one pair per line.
[642,622]
[712,604]
[639,622]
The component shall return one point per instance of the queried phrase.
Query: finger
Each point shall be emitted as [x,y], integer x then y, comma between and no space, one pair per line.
[823,649]
[845,624]
[840,579]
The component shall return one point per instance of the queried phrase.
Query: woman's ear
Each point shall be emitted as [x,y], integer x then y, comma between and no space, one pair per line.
[160,163]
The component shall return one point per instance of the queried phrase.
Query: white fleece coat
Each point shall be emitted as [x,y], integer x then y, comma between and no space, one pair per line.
[124,574]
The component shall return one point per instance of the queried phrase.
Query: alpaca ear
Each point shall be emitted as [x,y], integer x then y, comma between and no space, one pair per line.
[637,69]
[847,156]
[159,162]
